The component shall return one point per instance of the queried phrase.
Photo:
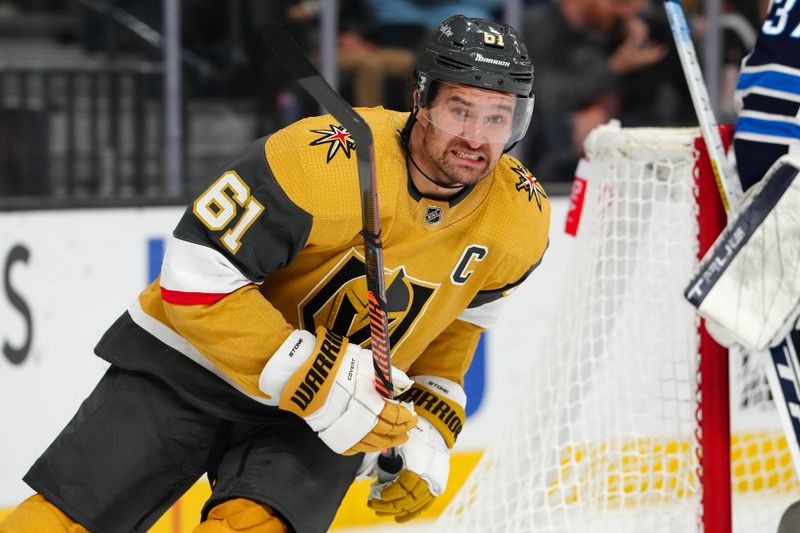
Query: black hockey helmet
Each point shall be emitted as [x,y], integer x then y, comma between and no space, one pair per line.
[478,53]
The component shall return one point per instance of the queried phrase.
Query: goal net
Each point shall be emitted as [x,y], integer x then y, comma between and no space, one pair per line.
[607,435]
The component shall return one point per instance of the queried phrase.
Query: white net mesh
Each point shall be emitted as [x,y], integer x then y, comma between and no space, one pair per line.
[603,438]
[764,480]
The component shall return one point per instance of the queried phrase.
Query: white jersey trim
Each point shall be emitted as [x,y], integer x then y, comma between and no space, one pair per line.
[783,95]
[176,342]
[771,67]
[769,116]
[181,269]
[484,316]
[771,139]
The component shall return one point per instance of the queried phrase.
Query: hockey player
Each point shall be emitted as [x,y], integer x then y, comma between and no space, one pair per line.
[248,358]
[769,126]
[747,286]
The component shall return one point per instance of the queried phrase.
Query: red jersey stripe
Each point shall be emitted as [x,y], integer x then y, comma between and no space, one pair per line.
[190,298]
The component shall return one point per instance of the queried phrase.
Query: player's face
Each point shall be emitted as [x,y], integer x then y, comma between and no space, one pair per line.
[465,130]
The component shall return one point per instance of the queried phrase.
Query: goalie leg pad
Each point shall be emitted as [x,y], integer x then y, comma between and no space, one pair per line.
[748,283]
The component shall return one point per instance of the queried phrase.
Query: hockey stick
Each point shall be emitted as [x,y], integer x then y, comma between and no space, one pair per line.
[783,370]
[730,189]
[291,56]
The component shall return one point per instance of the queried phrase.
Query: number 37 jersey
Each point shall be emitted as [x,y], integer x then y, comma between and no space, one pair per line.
[768,91]
[275,243]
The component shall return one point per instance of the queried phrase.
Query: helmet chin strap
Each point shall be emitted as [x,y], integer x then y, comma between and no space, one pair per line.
[405,137]
[451,187]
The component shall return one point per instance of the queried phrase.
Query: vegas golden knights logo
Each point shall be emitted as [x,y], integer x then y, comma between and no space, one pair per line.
[340,304]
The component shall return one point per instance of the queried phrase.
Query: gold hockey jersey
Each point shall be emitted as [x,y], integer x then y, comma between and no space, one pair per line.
[275,243]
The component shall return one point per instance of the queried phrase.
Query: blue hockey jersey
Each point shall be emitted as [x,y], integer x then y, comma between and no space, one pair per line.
[769,91]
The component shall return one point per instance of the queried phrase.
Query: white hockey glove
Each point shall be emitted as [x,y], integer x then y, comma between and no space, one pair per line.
[746,286]
[330,384]
[426,455]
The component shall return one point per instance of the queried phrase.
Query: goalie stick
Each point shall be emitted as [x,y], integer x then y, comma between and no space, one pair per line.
[730,189]
[783,370]
[291,56]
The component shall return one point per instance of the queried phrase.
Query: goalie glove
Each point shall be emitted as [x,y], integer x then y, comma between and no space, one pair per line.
[329,383]
[426,455]
[746,286]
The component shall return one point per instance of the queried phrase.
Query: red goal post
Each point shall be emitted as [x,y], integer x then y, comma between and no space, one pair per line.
[633,419]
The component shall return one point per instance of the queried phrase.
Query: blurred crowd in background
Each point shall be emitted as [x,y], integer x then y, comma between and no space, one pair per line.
[594,60]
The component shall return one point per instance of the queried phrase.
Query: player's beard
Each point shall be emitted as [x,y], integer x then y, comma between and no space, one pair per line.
[452,171]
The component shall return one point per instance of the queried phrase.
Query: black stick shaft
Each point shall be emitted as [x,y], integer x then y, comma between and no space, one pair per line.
[295,61]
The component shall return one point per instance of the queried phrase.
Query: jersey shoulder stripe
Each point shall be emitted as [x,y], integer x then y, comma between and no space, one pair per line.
[191,298]
[194,274]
